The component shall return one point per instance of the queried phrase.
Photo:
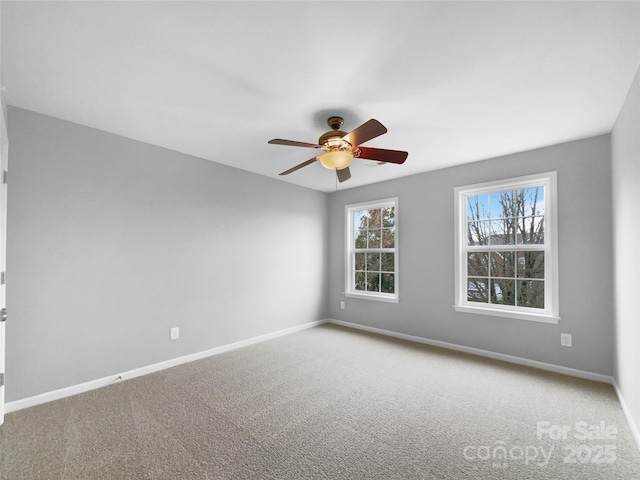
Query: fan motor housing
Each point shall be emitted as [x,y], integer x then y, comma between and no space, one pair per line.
[332,140]
[335,135]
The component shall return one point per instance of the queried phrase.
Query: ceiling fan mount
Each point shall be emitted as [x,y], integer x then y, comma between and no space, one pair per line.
[335,122]
[341,147]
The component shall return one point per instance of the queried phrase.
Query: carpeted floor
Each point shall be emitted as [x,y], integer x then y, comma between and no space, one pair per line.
[333,403]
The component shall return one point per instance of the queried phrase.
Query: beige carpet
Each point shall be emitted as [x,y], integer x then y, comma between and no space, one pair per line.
[331,403]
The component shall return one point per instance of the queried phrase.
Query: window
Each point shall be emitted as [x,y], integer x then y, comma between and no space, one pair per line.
[372,250]
[506,255]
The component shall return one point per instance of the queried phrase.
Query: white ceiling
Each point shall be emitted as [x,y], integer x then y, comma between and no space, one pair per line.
[454,82]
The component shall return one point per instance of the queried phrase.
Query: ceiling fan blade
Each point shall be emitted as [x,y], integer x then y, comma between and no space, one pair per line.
[297,167]
[343,174]
[365,132]
[293,143]
[382,155]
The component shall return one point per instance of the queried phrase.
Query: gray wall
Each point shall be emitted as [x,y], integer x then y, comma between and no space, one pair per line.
[426,223]
[625,159]
[111,242]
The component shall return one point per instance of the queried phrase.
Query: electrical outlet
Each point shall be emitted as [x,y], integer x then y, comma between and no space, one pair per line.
[565,339]
[175,333]
[342,305]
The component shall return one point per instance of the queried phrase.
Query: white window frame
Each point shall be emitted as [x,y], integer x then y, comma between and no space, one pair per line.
[350,290]
[550,314]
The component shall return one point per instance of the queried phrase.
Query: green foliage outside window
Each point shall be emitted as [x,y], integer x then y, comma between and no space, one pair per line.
[374,232]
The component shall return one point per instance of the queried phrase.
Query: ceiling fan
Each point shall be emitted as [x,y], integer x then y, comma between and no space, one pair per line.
[340,148]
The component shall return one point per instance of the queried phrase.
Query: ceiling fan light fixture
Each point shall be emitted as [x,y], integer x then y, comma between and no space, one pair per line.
[341,148]
[336,159]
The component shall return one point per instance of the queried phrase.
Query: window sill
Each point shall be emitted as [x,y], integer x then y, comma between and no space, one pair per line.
[369,296]
[495,312]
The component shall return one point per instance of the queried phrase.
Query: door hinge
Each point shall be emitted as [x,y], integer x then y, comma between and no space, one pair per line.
[2,278]
[4,176]
[1,379]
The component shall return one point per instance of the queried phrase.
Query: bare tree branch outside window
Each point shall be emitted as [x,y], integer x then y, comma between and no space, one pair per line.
[506,268]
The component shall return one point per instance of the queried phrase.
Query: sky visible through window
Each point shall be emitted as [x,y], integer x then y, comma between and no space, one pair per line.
[503,264]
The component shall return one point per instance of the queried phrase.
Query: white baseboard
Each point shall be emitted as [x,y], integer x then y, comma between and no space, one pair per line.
[510,358]
[597,377]
[627,413]
[103,382]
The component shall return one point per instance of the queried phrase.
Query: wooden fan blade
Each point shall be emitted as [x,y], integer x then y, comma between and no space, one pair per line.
[293,143]
[365,132]
[382,155]
[297,167]
[344,174]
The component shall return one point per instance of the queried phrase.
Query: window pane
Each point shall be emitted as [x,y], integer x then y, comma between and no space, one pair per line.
[477,290]
[373,238]
[359,263]
[503,291]
[387,259]
[388,238]
[388,283]
[477,233]
[360,281]
[373,282]
[531,293]
[477,207]
[531,230]
[531,264]
[478,264]
[502,204]
[503,232]
[533,201]
[360,219]
[388,217]
[373,262]
[503,264]
[375,218]
[361,239]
